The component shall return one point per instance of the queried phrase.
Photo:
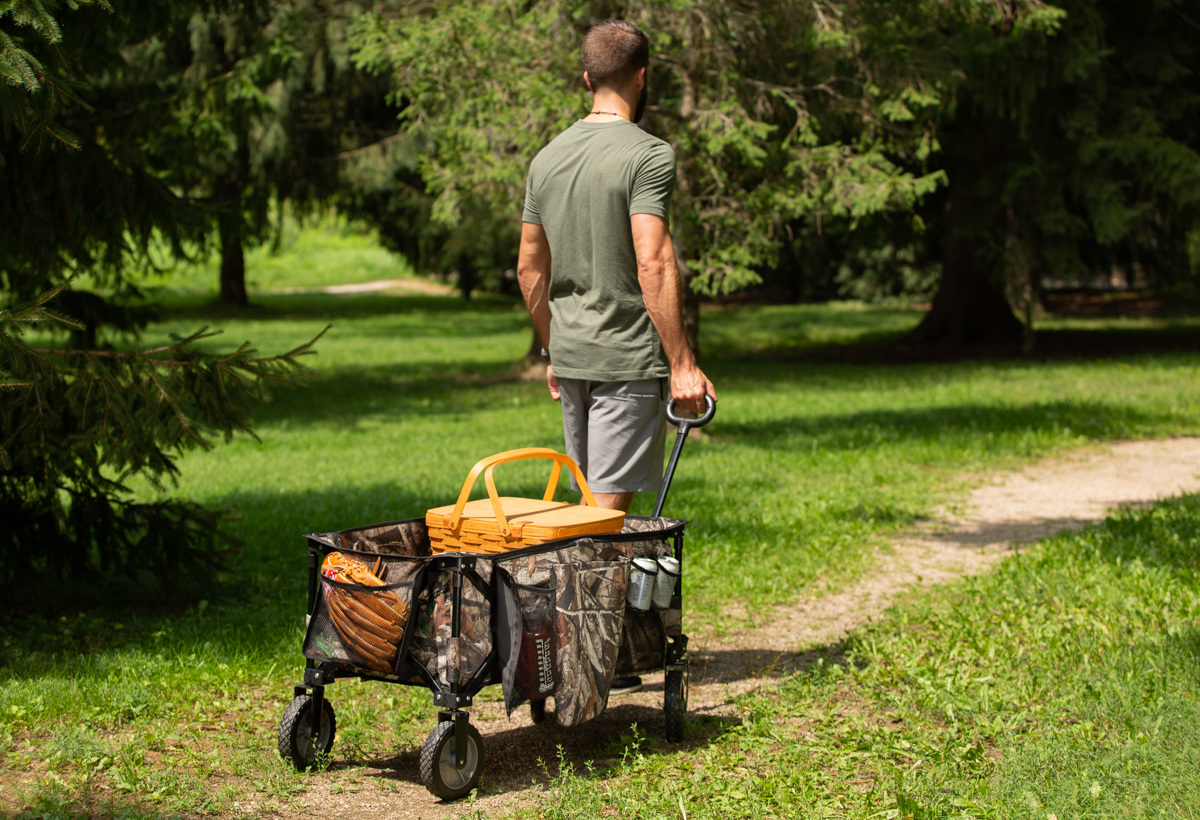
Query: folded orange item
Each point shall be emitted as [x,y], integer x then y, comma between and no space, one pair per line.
[498,524]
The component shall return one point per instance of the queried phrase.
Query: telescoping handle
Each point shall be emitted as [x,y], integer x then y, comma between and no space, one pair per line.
[684,426]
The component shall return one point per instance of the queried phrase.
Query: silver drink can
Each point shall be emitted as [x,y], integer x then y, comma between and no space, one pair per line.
[641,583]
[664,584]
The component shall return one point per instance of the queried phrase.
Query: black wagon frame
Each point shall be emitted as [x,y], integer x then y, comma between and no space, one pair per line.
[452,756]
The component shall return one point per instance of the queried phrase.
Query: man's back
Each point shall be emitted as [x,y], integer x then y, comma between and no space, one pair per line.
[583,188]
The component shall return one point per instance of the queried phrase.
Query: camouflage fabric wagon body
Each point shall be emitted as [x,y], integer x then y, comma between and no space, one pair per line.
[596,636]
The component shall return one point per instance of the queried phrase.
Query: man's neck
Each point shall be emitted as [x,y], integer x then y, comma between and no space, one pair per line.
[611,106]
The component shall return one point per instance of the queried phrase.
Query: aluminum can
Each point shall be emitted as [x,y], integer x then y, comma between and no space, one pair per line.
[641,583]
[664,584]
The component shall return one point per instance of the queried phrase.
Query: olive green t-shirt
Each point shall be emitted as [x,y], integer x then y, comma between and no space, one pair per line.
[583,187]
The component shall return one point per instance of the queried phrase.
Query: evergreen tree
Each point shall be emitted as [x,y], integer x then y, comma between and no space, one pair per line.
[76,424]
[1070,151]
[245,107]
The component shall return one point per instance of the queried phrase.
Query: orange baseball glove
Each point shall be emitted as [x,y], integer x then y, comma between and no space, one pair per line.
[369,622]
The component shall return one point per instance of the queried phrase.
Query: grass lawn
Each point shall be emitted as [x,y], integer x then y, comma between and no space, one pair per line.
[1063,684]
[324,250]
[807,468]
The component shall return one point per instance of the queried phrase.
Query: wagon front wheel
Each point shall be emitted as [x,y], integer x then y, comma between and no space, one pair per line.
[301,739]
[439,769]
[675,702]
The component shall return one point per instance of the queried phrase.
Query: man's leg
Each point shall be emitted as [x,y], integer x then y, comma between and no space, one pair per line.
[614,501]
[615,432]
[626,434]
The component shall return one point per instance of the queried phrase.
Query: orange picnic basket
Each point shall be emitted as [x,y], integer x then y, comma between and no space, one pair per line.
[498,524]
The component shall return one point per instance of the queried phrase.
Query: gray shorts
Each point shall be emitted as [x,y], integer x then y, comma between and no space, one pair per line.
[615,432]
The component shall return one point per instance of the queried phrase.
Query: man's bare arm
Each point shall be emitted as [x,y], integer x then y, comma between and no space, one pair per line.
[533,274]
[663,292]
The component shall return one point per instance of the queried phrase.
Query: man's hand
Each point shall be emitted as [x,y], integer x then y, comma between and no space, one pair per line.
[552,383]
[689,386]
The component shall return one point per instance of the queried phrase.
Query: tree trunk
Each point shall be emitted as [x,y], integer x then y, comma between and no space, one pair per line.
[691,300]
[969,307]
[682,241]
[233,262]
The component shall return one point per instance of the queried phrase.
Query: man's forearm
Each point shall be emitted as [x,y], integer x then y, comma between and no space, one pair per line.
[533,274]
[535,287]
[663,294]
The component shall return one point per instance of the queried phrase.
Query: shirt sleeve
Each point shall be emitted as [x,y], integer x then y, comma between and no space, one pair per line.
[653,182]
[531,213]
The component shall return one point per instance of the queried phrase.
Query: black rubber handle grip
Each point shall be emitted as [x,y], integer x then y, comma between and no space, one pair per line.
[710,410]
[684,426]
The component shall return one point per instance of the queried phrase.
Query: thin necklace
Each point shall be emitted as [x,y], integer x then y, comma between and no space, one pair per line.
[613,113]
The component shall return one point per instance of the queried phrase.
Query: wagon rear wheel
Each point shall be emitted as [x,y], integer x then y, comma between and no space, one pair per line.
[439,770]
[675,702]
[299,741]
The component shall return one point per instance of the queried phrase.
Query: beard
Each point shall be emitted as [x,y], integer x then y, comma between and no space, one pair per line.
[641,103]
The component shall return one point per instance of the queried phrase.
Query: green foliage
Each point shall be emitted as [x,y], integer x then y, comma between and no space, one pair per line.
[36,76]
[1102,190]
[247,106]
[76,424]
[769,108]
[480,109]
[90,205]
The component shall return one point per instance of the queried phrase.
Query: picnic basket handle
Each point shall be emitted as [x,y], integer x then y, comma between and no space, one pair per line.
[487,465]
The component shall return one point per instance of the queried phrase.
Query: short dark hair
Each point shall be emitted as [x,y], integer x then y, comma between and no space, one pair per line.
[613,51]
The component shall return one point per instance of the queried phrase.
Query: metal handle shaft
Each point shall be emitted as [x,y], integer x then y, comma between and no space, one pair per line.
[684,426]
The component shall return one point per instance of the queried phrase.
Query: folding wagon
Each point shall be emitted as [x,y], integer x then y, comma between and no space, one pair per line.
[550,618]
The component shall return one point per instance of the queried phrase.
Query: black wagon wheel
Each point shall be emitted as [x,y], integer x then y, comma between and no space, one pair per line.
[298,742]
[537,711]
[675,702]
[439,771]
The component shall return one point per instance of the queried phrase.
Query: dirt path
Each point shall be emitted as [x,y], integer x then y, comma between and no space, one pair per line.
[394,286]
[426,286]
[1014,508]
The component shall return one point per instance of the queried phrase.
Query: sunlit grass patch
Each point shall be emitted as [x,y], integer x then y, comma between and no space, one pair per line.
[1062,684]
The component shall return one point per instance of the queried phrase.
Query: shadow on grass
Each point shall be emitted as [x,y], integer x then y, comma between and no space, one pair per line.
[427,389]
[434,389]
[1165,535]
[849,431]
[1052,345]
[329,307]
[518,756]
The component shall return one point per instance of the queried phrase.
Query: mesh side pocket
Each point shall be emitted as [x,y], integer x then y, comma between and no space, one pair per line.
[535,677]
[359,625]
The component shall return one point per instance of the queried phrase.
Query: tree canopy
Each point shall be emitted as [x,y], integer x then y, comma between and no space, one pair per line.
[1010,142]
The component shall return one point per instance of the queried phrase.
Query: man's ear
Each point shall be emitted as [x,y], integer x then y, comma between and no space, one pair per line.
[588,83]
[641,78]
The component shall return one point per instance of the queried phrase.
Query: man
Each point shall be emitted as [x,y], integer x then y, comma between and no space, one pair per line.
[599,277]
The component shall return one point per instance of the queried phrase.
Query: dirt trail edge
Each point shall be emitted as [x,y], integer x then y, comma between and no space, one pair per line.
[1012,509]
